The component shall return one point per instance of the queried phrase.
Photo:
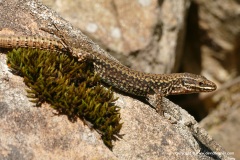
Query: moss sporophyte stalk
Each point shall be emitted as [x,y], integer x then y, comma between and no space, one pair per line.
[68,86]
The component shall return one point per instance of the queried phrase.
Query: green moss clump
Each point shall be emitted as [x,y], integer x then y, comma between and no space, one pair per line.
[69,86]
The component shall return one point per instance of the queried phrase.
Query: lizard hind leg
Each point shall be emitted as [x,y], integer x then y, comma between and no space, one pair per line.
[60,35]
[80,54]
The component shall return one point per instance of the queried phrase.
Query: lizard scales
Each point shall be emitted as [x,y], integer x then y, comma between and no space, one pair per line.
[117,75]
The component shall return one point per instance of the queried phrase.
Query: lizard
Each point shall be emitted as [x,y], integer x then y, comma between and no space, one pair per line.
[113,73]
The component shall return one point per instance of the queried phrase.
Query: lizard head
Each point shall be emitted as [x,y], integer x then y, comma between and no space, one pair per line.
[190,83]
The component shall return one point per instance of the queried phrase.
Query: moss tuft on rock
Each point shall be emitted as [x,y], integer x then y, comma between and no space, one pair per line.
[69,86]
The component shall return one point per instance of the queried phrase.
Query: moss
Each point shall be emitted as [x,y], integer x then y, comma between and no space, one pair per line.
[70,87]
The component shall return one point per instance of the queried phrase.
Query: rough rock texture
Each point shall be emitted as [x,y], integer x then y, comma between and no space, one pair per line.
[28,132]
[146,35]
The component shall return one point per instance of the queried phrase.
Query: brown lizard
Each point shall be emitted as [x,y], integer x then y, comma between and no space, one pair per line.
[152,86]
[112,72]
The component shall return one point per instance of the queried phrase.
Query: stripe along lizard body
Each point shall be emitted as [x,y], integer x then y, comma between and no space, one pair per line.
[112,72]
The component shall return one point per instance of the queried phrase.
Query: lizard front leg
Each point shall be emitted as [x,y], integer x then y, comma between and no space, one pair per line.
[155,99]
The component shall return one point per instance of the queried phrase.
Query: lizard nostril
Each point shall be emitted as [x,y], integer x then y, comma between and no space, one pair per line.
[183,83]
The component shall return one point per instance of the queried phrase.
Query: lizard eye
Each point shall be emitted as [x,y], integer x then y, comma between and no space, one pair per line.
[200,83]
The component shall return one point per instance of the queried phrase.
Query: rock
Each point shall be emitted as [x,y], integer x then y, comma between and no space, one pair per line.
[30,132]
